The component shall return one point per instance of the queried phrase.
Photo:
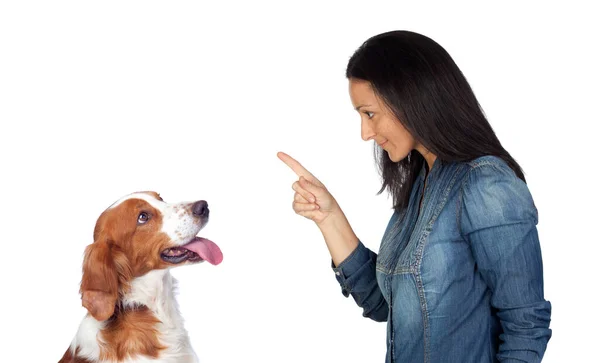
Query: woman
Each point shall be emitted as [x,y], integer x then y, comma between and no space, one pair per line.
[458,276]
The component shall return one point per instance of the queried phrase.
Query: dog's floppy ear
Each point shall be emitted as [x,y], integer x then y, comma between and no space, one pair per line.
[104,266]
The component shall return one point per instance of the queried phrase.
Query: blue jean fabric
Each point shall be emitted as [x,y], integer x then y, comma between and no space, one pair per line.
[460,280]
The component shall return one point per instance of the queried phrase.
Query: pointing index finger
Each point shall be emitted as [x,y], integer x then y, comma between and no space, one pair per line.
[295,165]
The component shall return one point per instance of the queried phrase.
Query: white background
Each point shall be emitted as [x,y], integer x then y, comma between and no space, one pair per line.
[194,99]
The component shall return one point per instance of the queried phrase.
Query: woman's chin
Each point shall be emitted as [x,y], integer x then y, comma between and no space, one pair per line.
[395,157]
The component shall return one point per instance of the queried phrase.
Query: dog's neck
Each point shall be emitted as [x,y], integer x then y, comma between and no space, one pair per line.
[155,290]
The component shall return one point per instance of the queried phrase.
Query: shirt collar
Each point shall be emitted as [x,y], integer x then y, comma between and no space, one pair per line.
[434,169]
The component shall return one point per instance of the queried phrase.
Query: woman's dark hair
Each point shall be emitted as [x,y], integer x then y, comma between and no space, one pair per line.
[426,91]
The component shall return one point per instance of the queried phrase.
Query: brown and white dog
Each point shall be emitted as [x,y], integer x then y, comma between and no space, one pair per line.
[126,284]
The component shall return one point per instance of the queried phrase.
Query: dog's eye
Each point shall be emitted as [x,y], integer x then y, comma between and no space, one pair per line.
[143,218]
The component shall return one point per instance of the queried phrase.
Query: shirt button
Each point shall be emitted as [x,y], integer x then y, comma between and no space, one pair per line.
[337,273]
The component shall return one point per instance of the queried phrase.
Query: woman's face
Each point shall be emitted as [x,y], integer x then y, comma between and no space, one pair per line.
[378,123]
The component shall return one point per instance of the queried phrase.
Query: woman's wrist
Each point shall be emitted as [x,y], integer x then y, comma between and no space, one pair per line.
[339,236]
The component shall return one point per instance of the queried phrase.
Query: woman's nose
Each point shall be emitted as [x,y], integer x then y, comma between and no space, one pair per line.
[366,131]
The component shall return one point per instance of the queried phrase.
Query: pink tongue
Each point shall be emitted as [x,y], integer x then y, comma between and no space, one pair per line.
[206,249]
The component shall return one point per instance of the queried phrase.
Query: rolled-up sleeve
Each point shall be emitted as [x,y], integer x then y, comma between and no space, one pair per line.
[498,218]
[356,275]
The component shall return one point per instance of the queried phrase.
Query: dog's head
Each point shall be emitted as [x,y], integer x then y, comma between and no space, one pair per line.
[137,234]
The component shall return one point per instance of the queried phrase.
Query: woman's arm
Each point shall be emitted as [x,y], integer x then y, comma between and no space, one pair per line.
[498,218]
[354,266]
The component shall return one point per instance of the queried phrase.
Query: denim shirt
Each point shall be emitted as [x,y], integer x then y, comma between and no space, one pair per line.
[460,280]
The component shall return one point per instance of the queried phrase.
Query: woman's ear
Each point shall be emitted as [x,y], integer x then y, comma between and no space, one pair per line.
[103,268]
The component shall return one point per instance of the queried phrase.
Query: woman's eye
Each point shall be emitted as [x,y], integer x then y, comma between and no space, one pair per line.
[369,114]
[143,218]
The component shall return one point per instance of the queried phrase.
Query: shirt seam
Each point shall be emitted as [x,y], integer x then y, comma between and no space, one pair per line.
[474,166]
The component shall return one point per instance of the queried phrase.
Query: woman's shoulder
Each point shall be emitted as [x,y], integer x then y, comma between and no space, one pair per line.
[491,182]
[491,160]
[489,166]
[492,194]
[483,170]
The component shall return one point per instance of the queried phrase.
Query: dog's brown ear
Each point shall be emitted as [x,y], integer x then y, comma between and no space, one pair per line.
[103,267]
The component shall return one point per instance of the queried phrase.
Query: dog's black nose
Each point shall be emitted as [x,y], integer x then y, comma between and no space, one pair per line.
[200,209]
